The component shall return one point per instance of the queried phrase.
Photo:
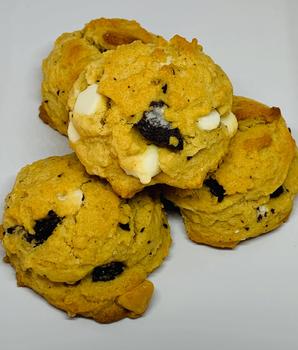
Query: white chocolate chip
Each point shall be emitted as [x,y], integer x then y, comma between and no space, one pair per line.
[169,61]
[61,197]
[89,101]
[146,165]
[74,198]
[210,121]
[72,133]
[262,210]
[230,121]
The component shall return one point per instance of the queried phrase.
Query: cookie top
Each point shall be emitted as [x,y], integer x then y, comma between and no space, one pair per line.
[72,52]
[253,188]
[151,113]
[66,226]
[56,205]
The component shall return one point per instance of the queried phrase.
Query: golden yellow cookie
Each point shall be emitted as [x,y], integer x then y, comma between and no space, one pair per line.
[72,52]
[76,243]
[152,113]
[253,188]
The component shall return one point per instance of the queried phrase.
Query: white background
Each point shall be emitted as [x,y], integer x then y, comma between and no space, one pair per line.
[205,298]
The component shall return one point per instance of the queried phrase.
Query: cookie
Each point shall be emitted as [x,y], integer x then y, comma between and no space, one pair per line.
[253,188]
[72,52]
[152,113]
[79,245]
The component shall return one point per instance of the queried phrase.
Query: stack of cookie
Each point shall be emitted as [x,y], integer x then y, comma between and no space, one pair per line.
[85,230]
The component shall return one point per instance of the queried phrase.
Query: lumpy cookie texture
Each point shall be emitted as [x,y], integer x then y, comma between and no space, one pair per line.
[152,113]
[253,188]
[71,54]
[75,242]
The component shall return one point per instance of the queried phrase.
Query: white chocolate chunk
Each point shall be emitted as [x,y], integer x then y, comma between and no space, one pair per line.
[74,198]
[89,100]
[72,133]
[230,121]
[138,298]
[210,121]
[146,165]
[61,197]
[169,61]
[262,210]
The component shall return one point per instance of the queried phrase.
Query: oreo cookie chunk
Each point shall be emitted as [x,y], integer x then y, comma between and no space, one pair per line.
[252,190]
[71,54]
[152,113]
[154,127]
[78,244]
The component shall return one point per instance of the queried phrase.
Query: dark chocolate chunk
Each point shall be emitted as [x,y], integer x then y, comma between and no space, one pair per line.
[14,230]
[124,227]
[277,192]
[260,217]
[10,230]
[107,272]
[164,88]
[165,225]
[43,228]
[168,205]
[154,127]
[215,188]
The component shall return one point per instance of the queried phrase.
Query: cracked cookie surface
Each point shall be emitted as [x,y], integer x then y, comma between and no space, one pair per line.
[71,54]
[78,244]
[253,188]
[152,113]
